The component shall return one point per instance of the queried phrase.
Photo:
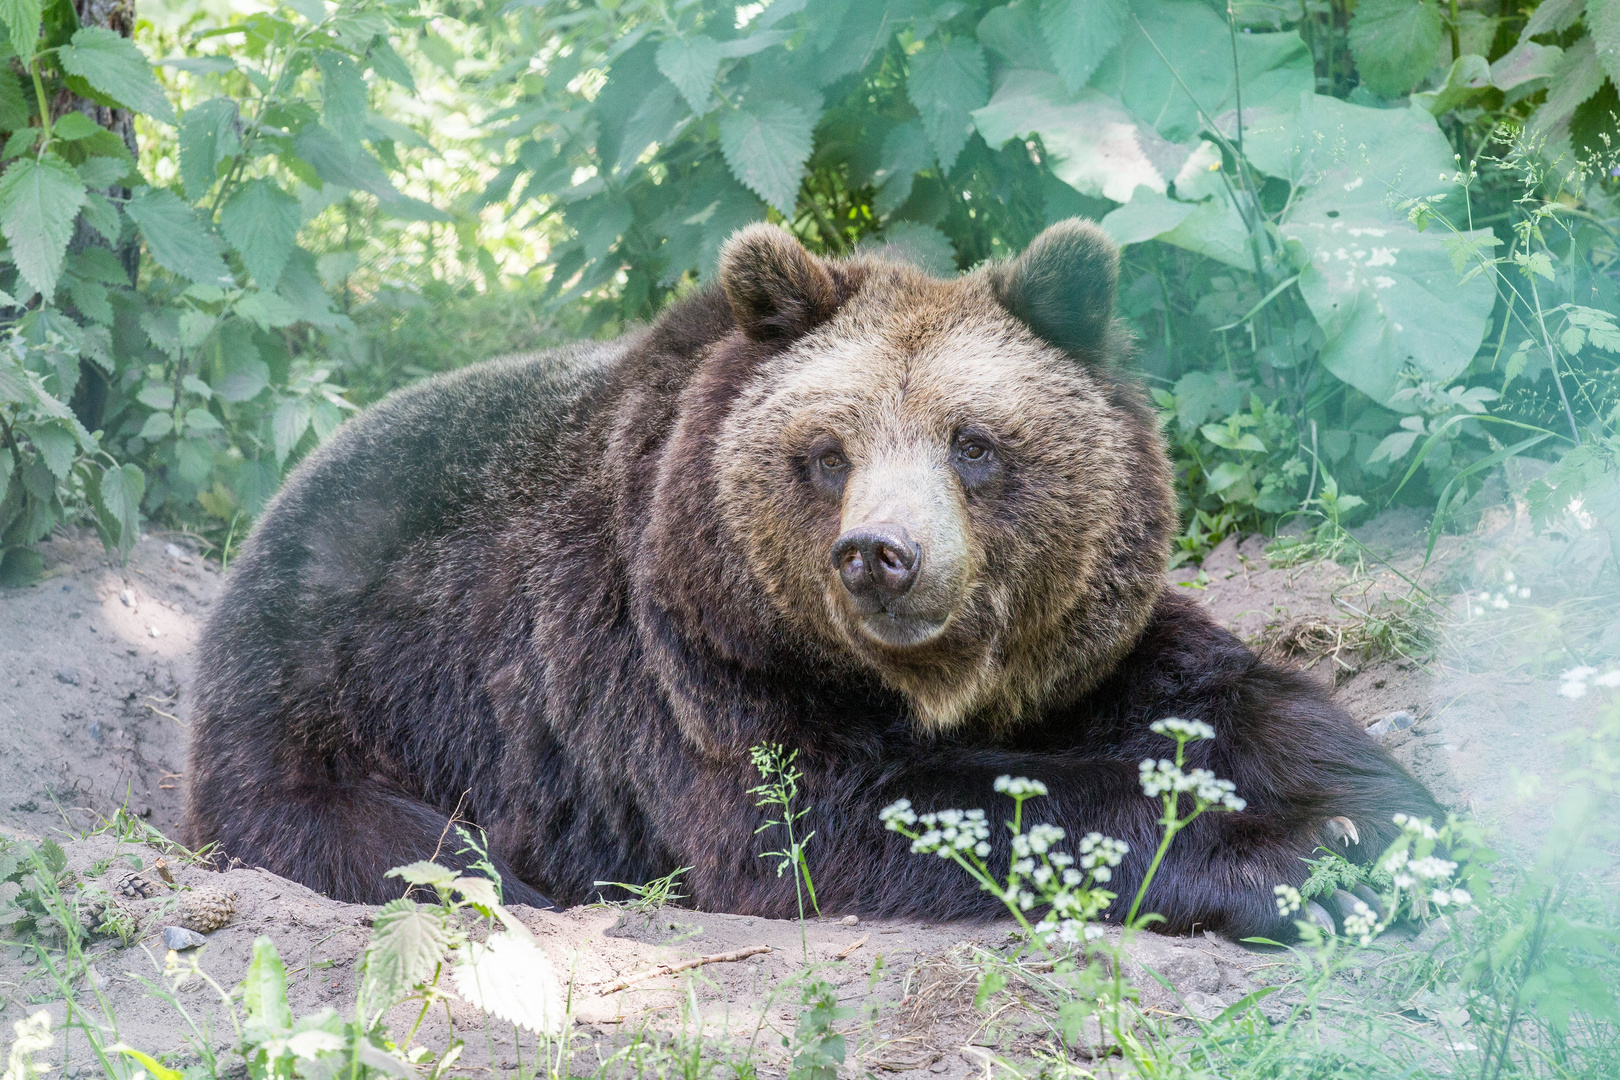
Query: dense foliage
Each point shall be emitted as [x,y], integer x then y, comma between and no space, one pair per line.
[1371,246]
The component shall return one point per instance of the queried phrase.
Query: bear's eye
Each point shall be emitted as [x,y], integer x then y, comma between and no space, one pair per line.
[831,460]
[972,451]
[975,459]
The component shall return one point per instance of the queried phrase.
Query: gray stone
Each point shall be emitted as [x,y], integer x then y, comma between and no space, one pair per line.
[179,938]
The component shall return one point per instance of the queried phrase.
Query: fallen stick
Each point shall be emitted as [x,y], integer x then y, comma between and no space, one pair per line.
[843,954]
[685,965]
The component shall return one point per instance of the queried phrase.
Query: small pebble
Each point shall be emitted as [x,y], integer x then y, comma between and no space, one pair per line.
[67,675]
[95,730]
[173,551]
[97,979]
[850,920]
[1389,724]
[128,597]
[152,630]
[179,938]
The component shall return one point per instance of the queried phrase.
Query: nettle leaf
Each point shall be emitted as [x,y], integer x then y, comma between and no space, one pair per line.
[261,222]
[264,991]
[22,18]
[39,202]
[14,110]
[176,238]
[288,424]
[946,82]
[905,154]
[1603,20]
[766,146]
[207,136]
[73,126]
[691,64]
[116,67]
[103,172]
[56,443]
[343,96]
[1080,36]
[408,941]
[1395,42]
[1014,33]
[117,499]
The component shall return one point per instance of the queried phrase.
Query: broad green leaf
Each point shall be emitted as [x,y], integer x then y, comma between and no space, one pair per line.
[1092,144]
[116,67]
[20,566]
[22,19]
[1395,43]
[766,146]
[691,64]
[73,126]
[1173,69]
[1081,35]
[408,942]
[659,116]
[39,202]
[20,142]
[945,83]
[156,396]
[1014,33]
[264,991]
[1216,229]
[1386,295]
[117,498]
[176,238]
[1603,20]
[267,310]
[14,104]
[287,426]
[90,298]
[261,222]
[343,96]
[158,426]
[103,172]
[423,872]
[1579,76]
[1525,63]
[390,65]
[1468,77]
[1148,214]
[56,444]
[905,154]
[207,136]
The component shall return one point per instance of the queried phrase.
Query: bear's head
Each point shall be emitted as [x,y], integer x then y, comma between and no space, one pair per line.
[947,483]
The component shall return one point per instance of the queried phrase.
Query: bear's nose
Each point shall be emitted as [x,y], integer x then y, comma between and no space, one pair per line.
[876,560]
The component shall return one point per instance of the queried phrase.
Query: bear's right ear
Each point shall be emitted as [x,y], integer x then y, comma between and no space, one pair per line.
[1062,286]
[778,290]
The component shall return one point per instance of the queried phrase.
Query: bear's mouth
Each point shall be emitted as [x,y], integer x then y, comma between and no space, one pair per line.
[897,630]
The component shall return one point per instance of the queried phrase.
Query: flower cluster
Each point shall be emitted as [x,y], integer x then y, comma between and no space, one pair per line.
[1416,870]
[1182,729]
[1019,787]
[1572,683]
[1163,776]
[1362,923]
[944,833]
[1288,900]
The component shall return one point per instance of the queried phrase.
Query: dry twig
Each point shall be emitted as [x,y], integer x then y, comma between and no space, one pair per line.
[685,965]
[843,954]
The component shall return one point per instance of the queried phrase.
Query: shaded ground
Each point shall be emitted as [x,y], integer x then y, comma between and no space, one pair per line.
[94,701]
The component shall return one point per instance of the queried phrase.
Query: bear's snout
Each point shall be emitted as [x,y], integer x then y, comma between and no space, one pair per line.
[877,562]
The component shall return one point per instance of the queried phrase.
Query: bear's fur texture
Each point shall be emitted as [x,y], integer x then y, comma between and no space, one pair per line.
[561,596]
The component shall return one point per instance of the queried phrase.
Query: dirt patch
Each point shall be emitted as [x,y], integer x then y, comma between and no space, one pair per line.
[94,698]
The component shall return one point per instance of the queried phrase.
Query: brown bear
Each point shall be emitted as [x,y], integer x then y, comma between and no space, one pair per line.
[914,529]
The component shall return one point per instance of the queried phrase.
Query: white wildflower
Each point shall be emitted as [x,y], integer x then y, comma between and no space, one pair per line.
[897,814]
[1609,679]
[1191,729]
[1019,786]
[1288,900]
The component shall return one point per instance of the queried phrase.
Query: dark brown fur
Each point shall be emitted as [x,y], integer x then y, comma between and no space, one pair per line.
[567,593]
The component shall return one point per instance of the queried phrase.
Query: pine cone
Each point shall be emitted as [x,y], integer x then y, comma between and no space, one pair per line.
[206,910]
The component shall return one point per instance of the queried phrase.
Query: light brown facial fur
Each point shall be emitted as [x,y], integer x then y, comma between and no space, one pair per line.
[1039,560]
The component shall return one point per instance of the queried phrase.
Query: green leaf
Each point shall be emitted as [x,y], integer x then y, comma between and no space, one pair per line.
[946,82]
[264,991]
[20,142]
[261,222]
[691,64]
[39,202]
[343,96]
[1013,33]
[147,1061]
[176,238]
[922,245]
[1092,143]
[408,941]
[116,67]
[1525,63]
[117,499]
[766,146]
[1578,77]
[158,426]
[20,566]
[1395,43]
[14,104]
[390,65]
[207,137]
[1386,295]
[1173,69]
[1081,35]
[73,126]
[287,425]
[56,444]
[22,19]
[156,396]
[102,172]
[1467,78]
[1603,20]
[905,153]
[1148,214]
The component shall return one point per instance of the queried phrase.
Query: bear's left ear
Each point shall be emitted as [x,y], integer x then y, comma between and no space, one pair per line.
[1063,286]
[778,290]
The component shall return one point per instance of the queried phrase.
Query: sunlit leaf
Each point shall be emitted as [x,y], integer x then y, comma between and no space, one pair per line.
[116,67]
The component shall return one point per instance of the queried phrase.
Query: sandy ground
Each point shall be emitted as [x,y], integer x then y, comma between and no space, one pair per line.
[93,710]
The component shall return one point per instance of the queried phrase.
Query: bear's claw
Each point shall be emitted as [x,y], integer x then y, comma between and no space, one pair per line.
[1341,830]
